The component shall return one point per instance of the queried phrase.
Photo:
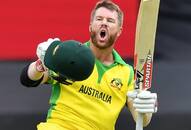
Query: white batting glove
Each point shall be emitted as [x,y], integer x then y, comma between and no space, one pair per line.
[42,47]
[144,102]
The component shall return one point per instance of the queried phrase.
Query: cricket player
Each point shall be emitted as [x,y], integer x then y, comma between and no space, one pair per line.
[89,81]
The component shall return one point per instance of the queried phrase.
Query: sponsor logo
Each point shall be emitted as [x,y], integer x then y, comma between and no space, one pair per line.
[147,72]
[143,77]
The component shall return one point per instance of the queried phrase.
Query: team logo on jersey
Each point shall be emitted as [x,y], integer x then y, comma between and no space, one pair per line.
[116,83]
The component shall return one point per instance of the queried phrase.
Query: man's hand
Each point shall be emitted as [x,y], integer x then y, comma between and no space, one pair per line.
[42,47]
[39,66]
[144,102]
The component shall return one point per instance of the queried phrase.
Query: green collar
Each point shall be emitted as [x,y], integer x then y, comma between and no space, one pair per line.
[117,57]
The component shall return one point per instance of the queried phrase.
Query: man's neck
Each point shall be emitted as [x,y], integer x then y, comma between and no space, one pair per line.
[104,55]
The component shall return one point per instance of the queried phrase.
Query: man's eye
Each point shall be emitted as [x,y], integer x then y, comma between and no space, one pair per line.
[99,19]
[111,20]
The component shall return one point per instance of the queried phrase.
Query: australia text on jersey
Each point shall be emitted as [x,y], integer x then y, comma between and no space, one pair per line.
[95,93]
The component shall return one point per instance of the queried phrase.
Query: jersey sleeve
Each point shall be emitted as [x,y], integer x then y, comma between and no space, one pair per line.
[131,80]
[50,79]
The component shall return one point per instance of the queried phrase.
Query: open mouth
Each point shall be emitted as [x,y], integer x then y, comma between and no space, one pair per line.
[103,34]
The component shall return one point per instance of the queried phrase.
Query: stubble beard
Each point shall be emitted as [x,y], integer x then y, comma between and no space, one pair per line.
[111,40]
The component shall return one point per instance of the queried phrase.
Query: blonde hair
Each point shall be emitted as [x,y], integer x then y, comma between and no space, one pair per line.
[108,4]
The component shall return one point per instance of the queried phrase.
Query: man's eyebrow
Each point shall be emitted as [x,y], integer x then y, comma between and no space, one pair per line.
[111,18]
[103,16]
[99,16]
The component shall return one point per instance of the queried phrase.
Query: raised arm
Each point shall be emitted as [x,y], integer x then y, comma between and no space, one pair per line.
[36,73]
[145,103]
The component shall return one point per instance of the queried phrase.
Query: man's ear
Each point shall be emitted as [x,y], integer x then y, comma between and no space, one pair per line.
[120,31]
[90,27]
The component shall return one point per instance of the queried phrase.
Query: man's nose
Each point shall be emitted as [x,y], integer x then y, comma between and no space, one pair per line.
[104,22]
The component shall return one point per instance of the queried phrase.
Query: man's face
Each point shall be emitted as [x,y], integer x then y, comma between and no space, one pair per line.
[104,28]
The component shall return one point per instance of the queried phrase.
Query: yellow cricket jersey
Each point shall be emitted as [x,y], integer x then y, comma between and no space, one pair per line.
[95,103]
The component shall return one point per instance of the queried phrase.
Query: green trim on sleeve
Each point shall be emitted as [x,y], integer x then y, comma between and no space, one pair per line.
[50,79]
[131,76]
[54,97]
[50,111]
[55,93]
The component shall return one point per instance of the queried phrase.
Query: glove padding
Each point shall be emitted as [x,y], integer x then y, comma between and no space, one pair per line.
[144,102]
[42,47]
